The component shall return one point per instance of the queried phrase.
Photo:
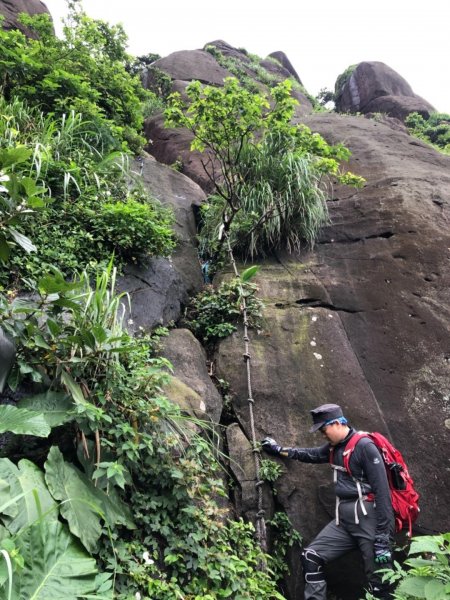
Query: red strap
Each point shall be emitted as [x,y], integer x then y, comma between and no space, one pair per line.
[350,446]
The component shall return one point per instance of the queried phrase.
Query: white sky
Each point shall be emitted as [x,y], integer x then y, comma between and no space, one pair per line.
[321,39]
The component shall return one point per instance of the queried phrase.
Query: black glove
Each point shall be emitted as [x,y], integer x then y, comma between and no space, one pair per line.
[271,447]
[382,549]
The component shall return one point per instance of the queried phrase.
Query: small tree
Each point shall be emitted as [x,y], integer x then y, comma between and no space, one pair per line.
[240,132]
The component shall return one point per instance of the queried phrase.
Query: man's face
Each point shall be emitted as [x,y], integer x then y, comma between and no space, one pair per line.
[334,432]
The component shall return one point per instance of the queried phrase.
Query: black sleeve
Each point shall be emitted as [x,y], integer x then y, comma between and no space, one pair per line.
[375,472]
[320,454]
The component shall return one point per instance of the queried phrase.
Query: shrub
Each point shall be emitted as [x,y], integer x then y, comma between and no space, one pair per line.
[435,130]
[85,206]
[426,571]
[214,314]
[135,229]
[240,130]
[85,72]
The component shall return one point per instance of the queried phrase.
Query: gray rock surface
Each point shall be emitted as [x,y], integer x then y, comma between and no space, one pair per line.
[362,320]
[188,359]
[190,65]
[159,289]
[375,87]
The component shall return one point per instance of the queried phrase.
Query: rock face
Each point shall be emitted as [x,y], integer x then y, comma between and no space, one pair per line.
[362,321]
[159,290]
[375,87]
[190,65]
[11,9]
[286,63]
[188,359]
[173,145]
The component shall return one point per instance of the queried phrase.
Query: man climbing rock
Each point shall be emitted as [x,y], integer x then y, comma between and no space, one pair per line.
[364,515]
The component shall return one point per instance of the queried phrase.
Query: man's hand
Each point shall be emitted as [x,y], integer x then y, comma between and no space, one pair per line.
[270,446]
[382,549]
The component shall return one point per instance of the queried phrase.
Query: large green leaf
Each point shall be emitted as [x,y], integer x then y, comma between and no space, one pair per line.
[73,388]
[20,420]
[22,240]
[427,543]
[54,406]
[82,504]
[413,586]
[249,273]
[56,567]
[22,480]
[435,590]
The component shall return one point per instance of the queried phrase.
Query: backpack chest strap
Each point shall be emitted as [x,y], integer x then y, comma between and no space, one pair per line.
[361,496]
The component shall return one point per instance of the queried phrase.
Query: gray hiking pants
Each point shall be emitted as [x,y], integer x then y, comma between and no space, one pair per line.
[335,540]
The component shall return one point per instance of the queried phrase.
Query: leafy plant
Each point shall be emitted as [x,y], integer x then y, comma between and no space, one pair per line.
[213,314]
[285,538]
[19,197]
[237,130]
[270,471]
[325,96]
[84,71]
[435,130]
[426,572]
[92,206]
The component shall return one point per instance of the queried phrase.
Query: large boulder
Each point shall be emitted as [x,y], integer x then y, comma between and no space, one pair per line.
[375,87]
[159,288]
[190,65]
[286,63]
[363,321]
[189,363]
[170,146]
[11,9]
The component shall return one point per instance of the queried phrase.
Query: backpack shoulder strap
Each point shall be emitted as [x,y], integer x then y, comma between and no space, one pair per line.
[350,446]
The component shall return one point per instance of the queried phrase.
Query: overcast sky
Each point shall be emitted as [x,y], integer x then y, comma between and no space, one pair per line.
[321,39]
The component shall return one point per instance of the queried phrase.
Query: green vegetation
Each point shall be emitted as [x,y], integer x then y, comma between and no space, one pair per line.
[285,537]
[67,198]
[325,96]
[342,80]
[136,446]
[85,72]
[122,499]
[248,70]
[270,471]
[435,130]
[266,173]
[426,571]
[214,313]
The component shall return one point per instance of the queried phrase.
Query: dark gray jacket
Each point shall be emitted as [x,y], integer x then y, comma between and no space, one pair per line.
[366,465]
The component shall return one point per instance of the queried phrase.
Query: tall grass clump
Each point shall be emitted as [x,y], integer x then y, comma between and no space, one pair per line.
[282,202]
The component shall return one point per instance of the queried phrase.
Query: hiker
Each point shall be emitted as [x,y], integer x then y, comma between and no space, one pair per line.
[364,515]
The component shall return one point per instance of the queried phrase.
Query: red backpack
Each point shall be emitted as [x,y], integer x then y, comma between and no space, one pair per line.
[405,499]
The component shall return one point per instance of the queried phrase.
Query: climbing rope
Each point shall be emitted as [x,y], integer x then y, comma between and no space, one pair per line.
[260,521]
